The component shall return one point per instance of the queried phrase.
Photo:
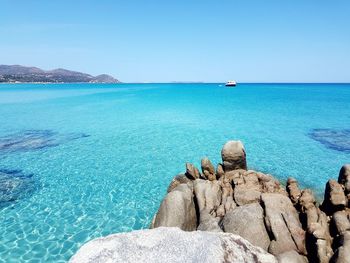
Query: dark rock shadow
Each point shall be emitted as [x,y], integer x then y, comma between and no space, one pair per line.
[15,185]
[338,140]
[30,140]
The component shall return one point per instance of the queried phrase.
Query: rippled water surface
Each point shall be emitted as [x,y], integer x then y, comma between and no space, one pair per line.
[81,161]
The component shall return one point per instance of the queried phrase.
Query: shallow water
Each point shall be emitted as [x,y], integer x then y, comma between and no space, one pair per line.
[106,153]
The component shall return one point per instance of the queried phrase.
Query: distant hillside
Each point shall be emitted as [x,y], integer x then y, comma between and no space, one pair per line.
[21,74]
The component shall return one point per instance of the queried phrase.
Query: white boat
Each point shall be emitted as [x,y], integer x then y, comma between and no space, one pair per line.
[231,83]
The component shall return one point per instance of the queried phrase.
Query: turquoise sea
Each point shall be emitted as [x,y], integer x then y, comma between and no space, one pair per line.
[80,161]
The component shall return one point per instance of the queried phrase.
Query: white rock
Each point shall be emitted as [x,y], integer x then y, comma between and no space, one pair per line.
[171,245]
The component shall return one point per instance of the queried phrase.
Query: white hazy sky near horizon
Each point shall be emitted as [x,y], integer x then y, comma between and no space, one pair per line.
[210,41]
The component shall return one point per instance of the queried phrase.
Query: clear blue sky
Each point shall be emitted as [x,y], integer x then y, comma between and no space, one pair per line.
[183,40]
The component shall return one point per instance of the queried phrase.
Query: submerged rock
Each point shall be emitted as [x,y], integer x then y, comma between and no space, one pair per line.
[338,140]
[15,185]
[171,245]
[30,140]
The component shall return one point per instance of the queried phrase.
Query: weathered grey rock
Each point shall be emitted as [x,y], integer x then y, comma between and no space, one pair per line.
[248,222]
[323,251]
[319,239]
[235,177]
[219,171]
[177,180]
[245,195]
[341,221]
[208,170]
[209,223]
[220,212]
[306,200]
[291,257]
[334,197]
[344,177]
[293,190]
[270,184]
[283,225]
[316,222]
[192,172]
[208,194]
[171,245]
[230,204]
[342,253]
[177,210]
[227,202]
[233,156]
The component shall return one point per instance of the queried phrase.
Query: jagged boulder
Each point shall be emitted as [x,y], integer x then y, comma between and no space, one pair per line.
[177,210]
[269,184]
[192,172]
[171,245]
[219,171]
[227,202]
[334,197]
[344,177]
[208,195]
[248,222]
[306,200]
[341,222]
[208,170]
[316,223]
[283,225]
[233,156]
[342,253]
[293,190]
[247,188]
[244,195]
[177,180]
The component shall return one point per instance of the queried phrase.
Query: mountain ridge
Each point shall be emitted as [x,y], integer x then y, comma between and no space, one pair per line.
[24,74]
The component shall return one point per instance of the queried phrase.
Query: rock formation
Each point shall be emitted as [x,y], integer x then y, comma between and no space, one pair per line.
[166,244]
[243,216]
[177,209]
[15,185]
[286,222]
[31,140]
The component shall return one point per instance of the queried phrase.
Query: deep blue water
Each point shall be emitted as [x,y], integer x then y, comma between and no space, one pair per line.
[79,161]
